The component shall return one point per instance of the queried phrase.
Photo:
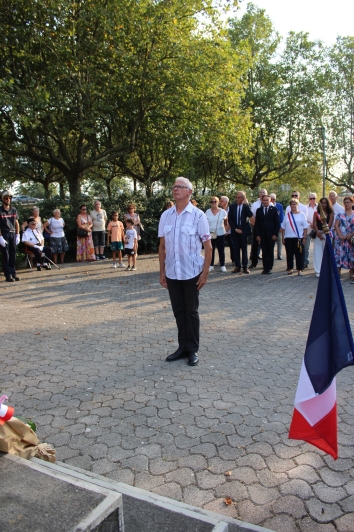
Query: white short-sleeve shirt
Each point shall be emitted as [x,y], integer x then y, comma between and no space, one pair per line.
[184,234]
[34,236]
[216,222]
[289,227]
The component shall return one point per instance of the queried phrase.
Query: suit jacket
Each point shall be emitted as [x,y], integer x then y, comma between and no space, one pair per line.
[267,225]
[246,214]
[280,208]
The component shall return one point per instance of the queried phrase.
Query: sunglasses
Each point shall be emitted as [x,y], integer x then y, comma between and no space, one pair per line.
[312,198]
[294,196]
[213,201]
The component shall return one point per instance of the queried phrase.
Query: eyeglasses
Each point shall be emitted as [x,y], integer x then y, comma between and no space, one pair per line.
[178,187]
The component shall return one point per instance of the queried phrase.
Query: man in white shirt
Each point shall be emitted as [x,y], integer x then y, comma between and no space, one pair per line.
[311,209]
[183,270]
[337,208]
[255,249]
[301,207]
[99,219]
[224,204]
[34,243]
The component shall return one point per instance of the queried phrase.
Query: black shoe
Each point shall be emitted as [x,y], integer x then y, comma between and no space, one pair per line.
[253,266]
[268,272]
[280,257]
[306,265]
[39,268]
[264,272]
[98,257]
[10,279]
[180,353]
[47,266]
[193,359]
[17,278]
[102,257]
[246,270]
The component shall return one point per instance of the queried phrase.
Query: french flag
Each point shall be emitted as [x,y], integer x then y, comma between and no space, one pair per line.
[329,349]
[6,412]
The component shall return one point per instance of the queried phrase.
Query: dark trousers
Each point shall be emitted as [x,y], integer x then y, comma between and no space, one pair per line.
[218,242]
[254,250]
[267,246]
[184,298]
[8,254]
[240,244]
[228,239]
[38,254]
[293,247]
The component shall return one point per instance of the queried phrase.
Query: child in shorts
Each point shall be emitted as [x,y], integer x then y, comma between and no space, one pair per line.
[130,244]
[115,236]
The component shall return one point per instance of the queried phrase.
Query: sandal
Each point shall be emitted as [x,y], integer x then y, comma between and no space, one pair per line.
[289,272]
[300,274]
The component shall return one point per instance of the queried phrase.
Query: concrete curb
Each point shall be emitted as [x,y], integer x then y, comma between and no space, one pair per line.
[219,522]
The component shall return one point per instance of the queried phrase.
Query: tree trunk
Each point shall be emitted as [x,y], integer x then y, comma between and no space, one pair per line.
[108,188]
[46,189]
[74,182]
[134,185]
[148,189]
[61,190]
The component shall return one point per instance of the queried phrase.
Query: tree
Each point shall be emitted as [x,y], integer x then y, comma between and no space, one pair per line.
[84,81]
[284,95]
[340,118]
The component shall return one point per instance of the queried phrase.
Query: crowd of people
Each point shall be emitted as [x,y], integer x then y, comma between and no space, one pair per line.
[46,242]
[266,223]
[263,224]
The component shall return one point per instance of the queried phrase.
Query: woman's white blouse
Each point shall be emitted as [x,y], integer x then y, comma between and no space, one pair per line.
[216,223]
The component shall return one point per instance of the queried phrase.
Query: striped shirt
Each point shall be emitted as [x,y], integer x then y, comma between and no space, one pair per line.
[184,234]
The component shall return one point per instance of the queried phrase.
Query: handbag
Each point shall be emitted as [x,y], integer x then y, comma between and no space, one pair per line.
[214,234]
[313,234]
[82,233]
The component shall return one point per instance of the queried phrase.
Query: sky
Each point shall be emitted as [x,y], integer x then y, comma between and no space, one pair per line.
[323,20]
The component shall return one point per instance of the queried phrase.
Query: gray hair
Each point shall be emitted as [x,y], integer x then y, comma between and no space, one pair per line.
[243,194]
[313,194]
[56,210]
[224,198]
[273,196]
[333,192]
[186,182]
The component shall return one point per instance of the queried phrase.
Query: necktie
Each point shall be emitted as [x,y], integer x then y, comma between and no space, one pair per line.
[239,215]
[266,211]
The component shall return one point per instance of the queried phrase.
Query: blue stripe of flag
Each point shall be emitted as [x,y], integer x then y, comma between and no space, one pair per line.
[329,345]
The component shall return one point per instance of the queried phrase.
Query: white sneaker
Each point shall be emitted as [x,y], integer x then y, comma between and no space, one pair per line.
[223,269]
[133,269]
[317,274]
[121,265]
[211,268]
[114,264]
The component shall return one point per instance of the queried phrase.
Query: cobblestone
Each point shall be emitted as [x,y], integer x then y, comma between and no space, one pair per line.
[109,403]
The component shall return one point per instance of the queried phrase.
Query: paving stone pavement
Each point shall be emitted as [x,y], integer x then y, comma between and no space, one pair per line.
[83,354]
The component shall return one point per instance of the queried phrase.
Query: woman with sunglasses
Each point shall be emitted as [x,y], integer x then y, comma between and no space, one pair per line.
[217,219]
[320,239]
[85,249]
[344,229]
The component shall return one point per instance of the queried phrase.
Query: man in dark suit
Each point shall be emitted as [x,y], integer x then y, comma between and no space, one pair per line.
[240,220]
[266,229]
